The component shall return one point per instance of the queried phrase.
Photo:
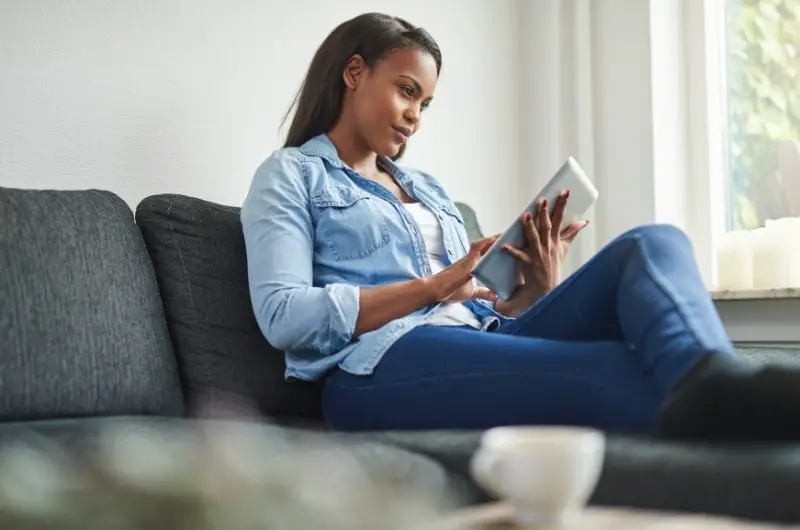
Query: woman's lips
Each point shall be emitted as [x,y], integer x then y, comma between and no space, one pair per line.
[401,134]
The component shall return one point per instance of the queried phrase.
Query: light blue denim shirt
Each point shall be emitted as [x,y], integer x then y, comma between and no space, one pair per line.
[315,232]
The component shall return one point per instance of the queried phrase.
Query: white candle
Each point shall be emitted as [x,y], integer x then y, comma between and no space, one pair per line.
[735,261]
[772,257]
[785,233]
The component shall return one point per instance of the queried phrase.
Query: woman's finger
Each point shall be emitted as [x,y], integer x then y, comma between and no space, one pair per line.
[572,230]
[482,293]
[558,214]
[480,246]
[518,254]
[543,223]
[568,233]
[531,235]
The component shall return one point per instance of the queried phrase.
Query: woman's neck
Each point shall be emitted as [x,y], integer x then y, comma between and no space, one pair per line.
[353,152]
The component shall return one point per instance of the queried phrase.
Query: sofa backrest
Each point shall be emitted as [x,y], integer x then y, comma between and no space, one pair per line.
[198,252]
[82,329]
[471,224]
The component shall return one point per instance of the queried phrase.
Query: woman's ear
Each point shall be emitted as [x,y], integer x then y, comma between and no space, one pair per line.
[354,72]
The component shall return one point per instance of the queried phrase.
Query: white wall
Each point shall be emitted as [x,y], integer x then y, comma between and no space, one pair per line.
[186,96]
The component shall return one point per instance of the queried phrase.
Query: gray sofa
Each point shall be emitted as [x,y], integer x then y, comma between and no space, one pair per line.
[106,315]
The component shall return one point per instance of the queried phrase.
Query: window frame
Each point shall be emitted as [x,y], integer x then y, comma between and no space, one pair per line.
[707,140]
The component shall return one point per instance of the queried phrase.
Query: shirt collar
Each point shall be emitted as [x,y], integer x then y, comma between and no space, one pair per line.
[323,147]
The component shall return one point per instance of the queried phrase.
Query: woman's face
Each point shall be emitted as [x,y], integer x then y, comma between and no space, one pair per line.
[389,99]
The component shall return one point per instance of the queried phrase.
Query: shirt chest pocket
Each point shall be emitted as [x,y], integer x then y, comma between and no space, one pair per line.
[349,223]
[452,220]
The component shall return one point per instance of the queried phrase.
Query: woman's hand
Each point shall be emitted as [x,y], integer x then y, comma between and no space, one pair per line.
[382,304]
[546,245]
[456,284]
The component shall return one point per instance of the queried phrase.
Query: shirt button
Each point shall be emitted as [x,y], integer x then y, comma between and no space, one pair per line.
[449,251]
[441,217]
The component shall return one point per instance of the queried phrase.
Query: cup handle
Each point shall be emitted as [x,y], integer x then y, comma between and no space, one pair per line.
[484,468]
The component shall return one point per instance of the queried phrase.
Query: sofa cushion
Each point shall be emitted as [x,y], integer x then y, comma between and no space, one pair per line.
[198,251]
[82,330]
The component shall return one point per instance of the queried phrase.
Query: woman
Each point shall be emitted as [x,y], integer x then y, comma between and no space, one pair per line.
[360,271]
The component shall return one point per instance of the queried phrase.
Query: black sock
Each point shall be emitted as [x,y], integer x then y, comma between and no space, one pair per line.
[727,398]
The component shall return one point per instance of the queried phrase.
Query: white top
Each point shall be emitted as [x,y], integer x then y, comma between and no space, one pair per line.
[448,313]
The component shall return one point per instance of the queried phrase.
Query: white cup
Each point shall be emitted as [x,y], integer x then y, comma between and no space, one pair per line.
[546,473]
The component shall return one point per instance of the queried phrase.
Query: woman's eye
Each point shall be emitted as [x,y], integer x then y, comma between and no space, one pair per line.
[408,91]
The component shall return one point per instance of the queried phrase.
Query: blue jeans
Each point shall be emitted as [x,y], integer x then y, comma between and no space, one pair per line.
[603,349]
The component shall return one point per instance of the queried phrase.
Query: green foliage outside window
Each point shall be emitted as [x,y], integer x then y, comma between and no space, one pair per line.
[763,67]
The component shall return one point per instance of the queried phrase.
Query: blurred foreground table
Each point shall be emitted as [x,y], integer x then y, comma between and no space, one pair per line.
[500,517]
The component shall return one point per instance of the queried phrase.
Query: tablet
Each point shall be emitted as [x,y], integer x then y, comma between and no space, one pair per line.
[497,269]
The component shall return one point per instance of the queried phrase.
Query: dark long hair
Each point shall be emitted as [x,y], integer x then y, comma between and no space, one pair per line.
[372,36]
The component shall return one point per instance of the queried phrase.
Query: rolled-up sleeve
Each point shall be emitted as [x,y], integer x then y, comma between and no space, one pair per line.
[279,239]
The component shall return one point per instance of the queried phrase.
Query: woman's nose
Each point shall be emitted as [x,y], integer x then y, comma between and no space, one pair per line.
[412,114]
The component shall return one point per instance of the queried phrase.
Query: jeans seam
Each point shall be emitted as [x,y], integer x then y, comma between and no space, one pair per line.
[662,284]
[658,280]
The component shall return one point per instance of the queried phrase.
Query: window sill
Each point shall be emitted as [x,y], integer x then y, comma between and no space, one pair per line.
[755,294]
[764,316]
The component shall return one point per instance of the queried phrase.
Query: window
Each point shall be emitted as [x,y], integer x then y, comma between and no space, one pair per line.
[761,149]
[762,66]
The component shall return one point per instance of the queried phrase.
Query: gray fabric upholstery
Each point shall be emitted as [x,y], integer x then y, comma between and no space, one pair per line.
[471,224]
[782,355]
[82,330]
[752,482]
[198,252]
